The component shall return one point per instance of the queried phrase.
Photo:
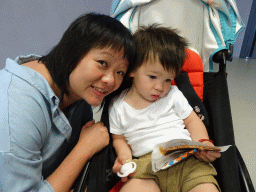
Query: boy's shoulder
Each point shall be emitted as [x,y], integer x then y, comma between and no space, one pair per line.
[118,99]
[173,96]
[173,90]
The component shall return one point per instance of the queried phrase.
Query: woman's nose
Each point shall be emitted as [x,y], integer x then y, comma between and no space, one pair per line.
[108,78]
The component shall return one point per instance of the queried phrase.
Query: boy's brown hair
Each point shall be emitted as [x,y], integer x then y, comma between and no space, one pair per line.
[163,43]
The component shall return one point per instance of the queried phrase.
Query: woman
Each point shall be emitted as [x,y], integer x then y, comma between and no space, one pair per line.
[88,63]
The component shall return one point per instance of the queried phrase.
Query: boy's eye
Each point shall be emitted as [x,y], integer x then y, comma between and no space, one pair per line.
[102,63]
[168,80]
[121,73]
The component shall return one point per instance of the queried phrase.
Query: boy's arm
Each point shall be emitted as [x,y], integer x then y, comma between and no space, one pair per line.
[198,131]
[121,146]
[123,152]
[196,128]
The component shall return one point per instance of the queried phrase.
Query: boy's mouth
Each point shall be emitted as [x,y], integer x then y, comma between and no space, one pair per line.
[155,97]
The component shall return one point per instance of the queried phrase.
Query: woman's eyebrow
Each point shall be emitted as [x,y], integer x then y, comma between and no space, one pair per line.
[106,53]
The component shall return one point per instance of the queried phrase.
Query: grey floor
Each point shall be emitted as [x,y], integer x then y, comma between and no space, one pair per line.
[242,91]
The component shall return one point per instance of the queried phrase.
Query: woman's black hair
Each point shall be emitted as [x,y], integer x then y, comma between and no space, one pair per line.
[85,33]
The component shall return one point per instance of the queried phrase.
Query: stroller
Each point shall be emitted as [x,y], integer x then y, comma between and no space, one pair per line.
[203,88]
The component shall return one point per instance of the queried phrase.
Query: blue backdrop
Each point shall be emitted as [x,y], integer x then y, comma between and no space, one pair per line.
[35,26]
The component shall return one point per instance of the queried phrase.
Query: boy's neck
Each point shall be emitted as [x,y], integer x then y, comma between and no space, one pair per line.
[135,101]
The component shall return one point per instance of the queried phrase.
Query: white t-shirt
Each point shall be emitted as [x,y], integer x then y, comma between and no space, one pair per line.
[159,122]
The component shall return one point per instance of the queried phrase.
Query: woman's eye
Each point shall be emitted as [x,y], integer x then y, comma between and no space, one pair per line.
[102,63]
[152,77]
[168,80]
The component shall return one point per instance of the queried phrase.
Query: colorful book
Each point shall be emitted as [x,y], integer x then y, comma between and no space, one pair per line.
[169,153]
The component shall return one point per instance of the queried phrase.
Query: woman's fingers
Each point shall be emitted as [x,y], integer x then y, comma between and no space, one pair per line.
[89,123]
[94,136]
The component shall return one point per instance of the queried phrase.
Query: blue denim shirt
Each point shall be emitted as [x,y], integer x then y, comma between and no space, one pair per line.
[34,132]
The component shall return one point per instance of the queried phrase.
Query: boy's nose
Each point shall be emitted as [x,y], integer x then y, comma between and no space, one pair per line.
[159,86]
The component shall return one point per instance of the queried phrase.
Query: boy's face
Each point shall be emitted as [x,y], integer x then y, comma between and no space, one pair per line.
[151,81]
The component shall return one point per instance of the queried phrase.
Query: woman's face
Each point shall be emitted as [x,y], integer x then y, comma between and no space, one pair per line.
[99,73]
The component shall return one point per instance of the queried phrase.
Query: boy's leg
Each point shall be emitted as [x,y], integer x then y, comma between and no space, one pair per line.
[191,175]
[205,187]
[140,185]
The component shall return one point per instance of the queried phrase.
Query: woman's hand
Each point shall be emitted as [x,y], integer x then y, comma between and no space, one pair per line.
[93,137]
[207,156]
[120,160]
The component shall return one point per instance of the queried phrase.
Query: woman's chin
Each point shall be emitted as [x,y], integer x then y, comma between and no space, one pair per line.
[94,102]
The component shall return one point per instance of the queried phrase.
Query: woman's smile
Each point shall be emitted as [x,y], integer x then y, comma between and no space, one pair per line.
[99,91]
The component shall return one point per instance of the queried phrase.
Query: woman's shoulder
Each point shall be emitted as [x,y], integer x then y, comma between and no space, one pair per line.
[41,69]
[29,107]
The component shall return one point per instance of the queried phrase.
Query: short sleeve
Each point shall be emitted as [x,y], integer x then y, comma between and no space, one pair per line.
[114,119]
[181,105]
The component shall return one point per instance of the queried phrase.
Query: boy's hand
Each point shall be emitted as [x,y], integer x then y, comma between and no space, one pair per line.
[120,160]
[207,156]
